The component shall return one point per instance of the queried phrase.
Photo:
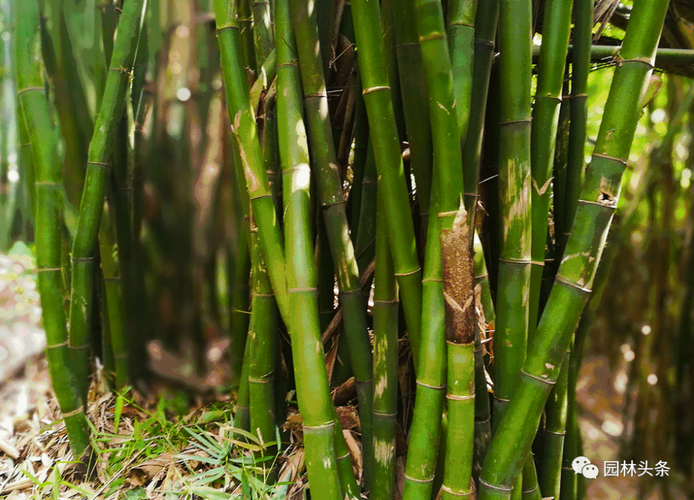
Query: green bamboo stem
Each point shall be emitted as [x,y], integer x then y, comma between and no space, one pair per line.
[243,403]
[313,394]
[91,203]
[580,63]
[555,41]
[27,171]
[530,489]
[246,39]
[76,125]
[262,337]
[263,32]
[414,98]
[448,270]
[510,338]
[567,487]
[386,146]
[554,435]
[361,142]
[44,151]
[596,205]
[364,245]
[486,20]
[240,292]
[335,216]
[431,373]
[461,34]
[457,479]
[245,131]
[115,309]
[483,428]
[385,370]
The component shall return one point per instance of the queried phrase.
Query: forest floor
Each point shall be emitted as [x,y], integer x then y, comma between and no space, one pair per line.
[183,442]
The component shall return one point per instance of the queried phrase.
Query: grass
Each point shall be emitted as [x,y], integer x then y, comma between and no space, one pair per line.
[150,449]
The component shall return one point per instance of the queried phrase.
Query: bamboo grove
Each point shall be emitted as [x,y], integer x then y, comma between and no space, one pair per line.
[386,203]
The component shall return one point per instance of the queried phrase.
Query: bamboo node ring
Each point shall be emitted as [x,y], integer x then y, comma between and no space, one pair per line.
[495,487]
[56,346]
[73,412]
[455,397]
[455,493]
[410,478]
[408,273]
[29,89]
[570,283]
[546,381]
[308,428]
[371,90]
[436,388]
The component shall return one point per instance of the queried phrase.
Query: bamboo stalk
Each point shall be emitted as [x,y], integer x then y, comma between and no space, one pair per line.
[316,407]
[262,337]
[335,216]
[386,147]
[486,20]
[510,338]
[554,435]
[449,261]
[91,203]
[385,311]
[244,130]
[414,99]
[114,313]
[484,304]
[555,38]
[263,32]
[598,199]
[44,152]
[580,63]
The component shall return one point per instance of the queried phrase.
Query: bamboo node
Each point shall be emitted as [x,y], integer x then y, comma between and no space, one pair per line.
[298,289]
[515,122]
[436,388]
[611,158]
[570,283]
[56,346]
[265,380]
[495,487]
[228,26]
[455,493]
[531,490]
[408,273]
[99,164]
[556,433]
[73,412]
[44,269]
[456,397]
[410,478]
[309,428]
[371,90]
[29,89]
[542,380]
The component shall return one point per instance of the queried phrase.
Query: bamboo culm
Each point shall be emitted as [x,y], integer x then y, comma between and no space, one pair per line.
[325,458]
[48,212]
[91,203]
